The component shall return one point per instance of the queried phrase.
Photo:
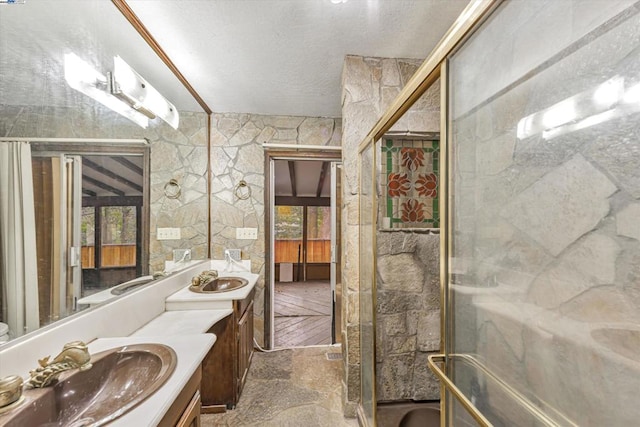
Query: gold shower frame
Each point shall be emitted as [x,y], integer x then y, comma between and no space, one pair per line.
[434,67]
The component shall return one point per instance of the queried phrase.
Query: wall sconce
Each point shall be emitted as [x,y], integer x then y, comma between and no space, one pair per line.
[129,86]
[123,91]
[84,78]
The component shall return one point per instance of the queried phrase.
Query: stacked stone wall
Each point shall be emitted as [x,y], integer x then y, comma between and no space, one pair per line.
[237,154]
[369,86]
[407,315]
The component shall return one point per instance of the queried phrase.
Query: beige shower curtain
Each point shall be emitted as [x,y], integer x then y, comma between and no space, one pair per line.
[18,261]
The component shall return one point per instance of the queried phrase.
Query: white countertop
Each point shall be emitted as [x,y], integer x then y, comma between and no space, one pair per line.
[106,295]
[137,318]
[97,298]
[182,322]
[190,349]
[185,299]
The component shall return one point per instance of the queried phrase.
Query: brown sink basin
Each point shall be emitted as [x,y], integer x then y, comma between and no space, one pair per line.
[123,288]
[120,379]
[221,284]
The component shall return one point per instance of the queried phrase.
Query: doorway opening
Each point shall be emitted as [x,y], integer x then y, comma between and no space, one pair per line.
[304,299]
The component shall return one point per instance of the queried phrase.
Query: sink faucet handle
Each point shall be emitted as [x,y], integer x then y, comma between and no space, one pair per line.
[10,390]
[74,355]
[203,278]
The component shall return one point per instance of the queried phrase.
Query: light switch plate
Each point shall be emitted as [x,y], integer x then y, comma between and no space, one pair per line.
[168,234]
[246,233]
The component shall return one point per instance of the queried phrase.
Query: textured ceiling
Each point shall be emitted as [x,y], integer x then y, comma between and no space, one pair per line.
[35,36]
[285,57]
[277,57]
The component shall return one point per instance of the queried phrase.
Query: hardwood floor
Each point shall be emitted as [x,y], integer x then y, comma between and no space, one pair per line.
[302,313]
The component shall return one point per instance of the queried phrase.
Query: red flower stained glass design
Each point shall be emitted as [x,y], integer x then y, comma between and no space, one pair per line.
[427,185]
[398,184]
[412,211]
[412,158]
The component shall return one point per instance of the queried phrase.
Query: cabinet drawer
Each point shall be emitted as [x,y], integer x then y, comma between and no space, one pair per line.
[240,306]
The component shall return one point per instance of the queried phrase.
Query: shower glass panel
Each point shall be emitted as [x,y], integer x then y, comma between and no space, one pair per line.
[367,286]
[544,260]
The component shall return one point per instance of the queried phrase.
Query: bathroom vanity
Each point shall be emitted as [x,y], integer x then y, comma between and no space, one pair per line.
[163,312]
[225,367]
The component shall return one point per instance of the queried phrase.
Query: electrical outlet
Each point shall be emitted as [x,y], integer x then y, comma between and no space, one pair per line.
[234,254]
[168,234]
[181,255]
[246,233]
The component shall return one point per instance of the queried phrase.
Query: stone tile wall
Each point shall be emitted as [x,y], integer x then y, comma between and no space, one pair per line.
[369,86]
[237,154]
[407,315]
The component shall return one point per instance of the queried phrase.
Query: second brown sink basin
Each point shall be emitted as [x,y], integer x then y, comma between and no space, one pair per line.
[123,288]
[119,380]
[221,284]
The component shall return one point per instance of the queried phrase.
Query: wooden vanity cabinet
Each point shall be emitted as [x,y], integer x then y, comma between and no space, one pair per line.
[185,410]
[224,369]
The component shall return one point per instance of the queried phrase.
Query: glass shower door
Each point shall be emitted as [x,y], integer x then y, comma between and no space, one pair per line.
[544,195]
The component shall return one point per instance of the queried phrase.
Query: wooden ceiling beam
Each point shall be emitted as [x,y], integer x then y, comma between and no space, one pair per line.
[323,176]
[292,177]
[302,201]
[106,172]
[128,164]
[102,185]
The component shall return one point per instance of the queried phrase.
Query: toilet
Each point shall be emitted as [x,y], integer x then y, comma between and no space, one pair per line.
[4,333]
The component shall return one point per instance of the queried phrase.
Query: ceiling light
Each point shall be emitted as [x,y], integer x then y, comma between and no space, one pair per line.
[129,86]
[84,78]
[338,1]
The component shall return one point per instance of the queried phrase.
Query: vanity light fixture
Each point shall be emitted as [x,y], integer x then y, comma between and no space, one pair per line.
[607,101]
[123,91]
[129,86]
[84,78]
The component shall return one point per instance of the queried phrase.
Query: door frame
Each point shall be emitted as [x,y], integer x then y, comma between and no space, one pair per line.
[270,155]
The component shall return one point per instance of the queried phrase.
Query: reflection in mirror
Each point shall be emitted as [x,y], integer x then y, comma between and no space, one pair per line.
[80,228]
[89,205]
[80,256]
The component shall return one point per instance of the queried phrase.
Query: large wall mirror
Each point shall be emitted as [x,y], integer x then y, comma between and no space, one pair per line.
[82,174]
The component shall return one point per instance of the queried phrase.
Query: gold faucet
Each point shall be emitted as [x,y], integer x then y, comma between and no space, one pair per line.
[203,278]
[74,355]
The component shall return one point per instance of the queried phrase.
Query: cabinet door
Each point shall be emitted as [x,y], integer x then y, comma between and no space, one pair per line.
[245,345]
[191,415]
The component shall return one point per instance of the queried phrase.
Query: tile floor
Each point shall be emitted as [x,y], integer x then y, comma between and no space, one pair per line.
[289,388]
